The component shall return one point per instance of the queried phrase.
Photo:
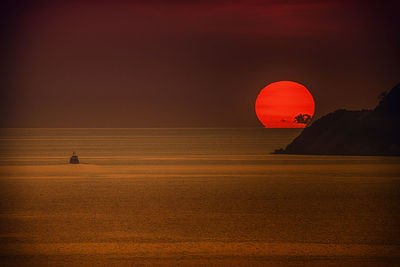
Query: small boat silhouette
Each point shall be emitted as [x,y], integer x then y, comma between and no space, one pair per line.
[74,159]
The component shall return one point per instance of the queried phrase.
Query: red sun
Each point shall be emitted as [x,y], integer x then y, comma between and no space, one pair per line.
[279,103]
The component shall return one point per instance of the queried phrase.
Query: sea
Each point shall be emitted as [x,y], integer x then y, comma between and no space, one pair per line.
[191,197]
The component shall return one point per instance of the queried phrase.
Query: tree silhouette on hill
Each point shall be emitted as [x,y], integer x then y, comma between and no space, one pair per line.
[303,119]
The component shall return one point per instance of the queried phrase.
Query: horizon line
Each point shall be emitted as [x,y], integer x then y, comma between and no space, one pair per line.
[254,127]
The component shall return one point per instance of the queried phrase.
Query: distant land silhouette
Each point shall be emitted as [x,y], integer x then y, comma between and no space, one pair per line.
[363,132]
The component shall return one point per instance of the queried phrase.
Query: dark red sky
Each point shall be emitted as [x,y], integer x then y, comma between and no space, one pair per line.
[189,64]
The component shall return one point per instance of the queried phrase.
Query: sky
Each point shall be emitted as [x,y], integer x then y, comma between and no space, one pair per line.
[189,63]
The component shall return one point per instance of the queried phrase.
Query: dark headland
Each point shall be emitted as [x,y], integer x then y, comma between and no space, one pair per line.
[364,132]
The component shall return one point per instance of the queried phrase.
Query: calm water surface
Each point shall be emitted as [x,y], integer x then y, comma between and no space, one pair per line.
[191,197]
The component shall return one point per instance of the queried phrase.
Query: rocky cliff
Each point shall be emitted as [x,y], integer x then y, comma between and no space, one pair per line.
[364,132]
